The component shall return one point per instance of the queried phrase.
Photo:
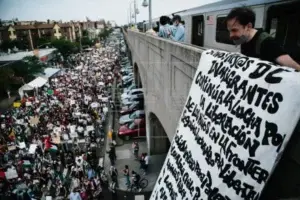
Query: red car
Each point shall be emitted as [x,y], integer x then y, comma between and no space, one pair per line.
[135,129]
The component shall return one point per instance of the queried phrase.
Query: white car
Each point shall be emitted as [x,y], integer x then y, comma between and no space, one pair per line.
[125,78]
[131,92]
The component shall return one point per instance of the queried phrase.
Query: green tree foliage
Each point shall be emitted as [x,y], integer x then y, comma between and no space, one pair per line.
[16,74]
[6,79]
[28,68]
[43,41]
[65,47]
[10,44]
[85,41]
[85,33]
[105,33]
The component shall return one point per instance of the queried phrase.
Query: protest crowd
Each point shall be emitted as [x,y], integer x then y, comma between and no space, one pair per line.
[49,144]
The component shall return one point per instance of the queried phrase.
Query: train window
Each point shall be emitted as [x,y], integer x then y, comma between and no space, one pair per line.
[283,23]
[273,29]
[222,33]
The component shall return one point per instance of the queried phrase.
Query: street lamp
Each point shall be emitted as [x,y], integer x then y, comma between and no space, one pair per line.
[146,4]
[135,10]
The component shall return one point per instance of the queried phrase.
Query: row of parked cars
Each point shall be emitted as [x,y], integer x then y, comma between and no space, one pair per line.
[132,115]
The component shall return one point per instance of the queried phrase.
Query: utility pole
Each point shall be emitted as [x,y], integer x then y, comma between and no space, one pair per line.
[80,45]
[135,12]
[130,16]
[150,14]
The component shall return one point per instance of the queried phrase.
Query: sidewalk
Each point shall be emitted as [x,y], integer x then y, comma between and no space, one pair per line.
[6,103]
[126,157]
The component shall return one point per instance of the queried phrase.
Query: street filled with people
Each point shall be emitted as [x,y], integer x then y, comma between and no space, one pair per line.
[51,140]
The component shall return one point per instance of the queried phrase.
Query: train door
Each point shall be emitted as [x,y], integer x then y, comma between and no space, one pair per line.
[283,23]
[198,30]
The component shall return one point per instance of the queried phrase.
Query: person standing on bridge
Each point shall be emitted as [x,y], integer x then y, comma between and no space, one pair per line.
[178,32]
[164,27]
[255,43]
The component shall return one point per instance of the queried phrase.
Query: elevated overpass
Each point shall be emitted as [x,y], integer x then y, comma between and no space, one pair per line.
[165,70]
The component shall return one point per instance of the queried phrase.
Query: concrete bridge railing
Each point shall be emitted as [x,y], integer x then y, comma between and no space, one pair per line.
[166,70]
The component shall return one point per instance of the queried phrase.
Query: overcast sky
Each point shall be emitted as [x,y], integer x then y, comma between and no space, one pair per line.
[94,9]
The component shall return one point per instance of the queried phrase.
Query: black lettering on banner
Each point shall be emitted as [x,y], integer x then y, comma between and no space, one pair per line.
[271,133]
[252,94]
[260,70]
[237,127]
[245,190]
[263,68]
[190,104]
[202,102]
[163,195]
[169,185]
[206,180]
[181,189]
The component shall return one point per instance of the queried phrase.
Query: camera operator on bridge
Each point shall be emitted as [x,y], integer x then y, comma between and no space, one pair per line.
[255,43]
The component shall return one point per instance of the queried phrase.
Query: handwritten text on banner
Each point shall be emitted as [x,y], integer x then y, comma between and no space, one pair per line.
[238,117]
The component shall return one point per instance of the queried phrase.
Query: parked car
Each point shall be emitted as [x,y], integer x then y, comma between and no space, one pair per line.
[136,105]
[131,93]
[138,114]
[134,129]
[133,98]
[127,77]
[131,87]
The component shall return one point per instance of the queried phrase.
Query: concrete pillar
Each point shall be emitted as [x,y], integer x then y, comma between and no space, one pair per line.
[39,33]
[70,34]
[148,132]
[30,39]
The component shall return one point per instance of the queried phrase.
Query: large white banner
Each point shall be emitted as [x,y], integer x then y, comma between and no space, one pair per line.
[239,115]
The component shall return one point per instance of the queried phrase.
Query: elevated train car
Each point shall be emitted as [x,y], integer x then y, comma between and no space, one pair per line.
[205,25]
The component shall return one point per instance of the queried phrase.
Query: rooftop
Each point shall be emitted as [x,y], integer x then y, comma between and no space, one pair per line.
[23,54]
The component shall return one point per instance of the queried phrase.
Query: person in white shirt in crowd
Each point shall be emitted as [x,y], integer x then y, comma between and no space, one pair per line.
[146,159]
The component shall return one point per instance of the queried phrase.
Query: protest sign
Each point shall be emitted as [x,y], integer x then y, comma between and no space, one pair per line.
[32,148]
[22,145]
[17,104]
[11,174]
[239,115]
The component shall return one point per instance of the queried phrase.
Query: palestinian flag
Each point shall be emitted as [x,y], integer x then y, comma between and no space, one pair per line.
[49,146]
[26,164]
[53,148]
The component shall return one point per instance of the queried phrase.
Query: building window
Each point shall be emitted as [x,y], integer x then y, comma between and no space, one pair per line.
[222,33]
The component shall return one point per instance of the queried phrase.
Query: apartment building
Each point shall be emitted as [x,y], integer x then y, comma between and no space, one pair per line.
[32,32]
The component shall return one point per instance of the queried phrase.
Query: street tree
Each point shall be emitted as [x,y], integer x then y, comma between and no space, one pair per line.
[28,68]
[65,47]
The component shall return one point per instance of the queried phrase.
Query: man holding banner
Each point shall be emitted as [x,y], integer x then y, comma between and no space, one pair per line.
[256,43]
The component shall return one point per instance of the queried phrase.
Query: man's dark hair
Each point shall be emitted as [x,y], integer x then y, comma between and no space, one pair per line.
[176,17]
[164,20]
[243,15]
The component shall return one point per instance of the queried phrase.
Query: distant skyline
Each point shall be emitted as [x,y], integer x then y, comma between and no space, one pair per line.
[78,10]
